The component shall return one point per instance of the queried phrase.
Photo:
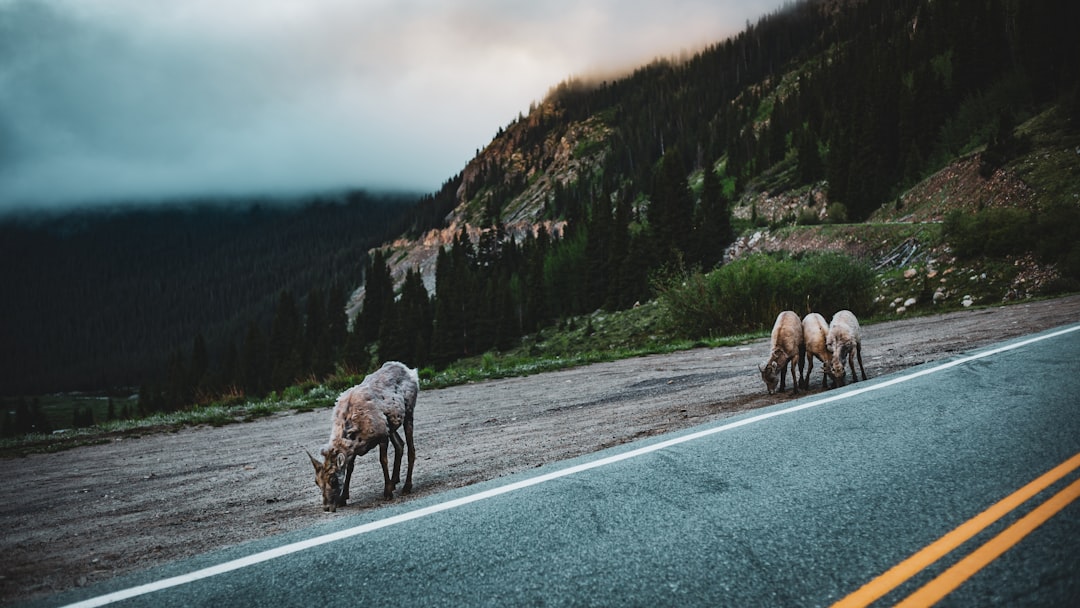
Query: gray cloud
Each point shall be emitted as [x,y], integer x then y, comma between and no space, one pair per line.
[146,99]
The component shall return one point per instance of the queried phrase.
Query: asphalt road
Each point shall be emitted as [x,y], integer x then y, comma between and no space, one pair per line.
[800,504]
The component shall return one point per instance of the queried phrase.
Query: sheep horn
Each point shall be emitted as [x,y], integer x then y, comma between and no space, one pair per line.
[314,463]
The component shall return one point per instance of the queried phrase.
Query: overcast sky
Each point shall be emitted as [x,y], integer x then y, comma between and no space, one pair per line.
[105,100]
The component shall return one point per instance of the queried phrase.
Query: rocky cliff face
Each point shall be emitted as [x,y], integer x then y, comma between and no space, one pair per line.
[516,173]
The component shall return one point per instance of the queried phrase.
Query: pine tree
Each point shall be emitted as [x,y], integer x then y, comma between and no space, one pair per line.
[318,345]
[355,356]
[200,364]
[670,208]
[448,304]
[713,223]
[228,374]
[535,251]
[406,331]
[286,363]
[619,285]
[254,362]
[378,294]
[337,320]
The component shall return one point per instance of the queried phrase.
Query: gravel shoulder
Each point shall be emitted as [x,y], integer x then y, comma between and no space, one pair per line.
[89,514]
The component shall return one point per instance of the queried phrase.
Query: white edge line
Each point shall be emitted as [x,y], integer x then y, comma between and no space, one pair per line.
[296,547]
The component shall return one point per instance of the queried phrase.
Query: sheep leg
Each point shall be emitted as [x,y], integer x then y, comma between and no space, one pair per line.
[794,378]
[395,439]
[348,477]
[388,487]
[809,370]
[858,351]
[802,374]
[851,365]
[412,455]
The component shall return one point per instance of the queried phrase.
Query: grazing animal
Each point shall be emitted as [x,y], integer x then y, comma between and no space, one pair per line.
[365,416]
[844,343]
[815,333]
[786,347]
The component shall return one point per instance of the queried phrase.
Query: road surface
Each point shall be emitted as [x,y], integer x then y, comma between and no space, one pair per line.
[970,462]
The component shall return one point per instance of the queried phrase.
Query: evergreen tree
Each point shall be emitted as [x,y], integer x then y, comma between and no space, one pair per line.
[599,233]
[378,294]
[535,307]
[670,208]
[254,363]
[228,374]
[200,365]
[619,293]
[318,343]
[177,391]
[355,356]
[407,324]
[337,321]
[449,304]
[285,347]
[808,159]
[712,227]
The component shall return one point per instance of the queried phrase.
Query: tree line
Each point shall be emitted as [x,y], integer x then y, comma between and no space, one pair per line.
[487,295]
[102,298]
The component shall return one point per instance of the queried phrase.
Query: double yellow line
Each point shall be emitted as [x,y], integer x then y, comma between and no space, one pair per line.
[955,576]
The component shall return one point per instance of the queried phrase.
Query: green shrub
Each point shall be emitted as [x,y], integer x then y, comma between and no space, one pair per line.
[836,213]
[990,232]
[1054,236]
[747,295]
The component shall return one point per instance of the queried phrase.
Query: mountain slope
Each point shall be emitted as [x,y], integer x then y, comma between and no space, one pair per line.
[824,111]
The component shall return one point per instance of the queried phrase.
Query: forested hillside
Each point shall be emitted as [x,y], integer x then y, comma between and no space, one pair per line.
[102,299]
[856,101]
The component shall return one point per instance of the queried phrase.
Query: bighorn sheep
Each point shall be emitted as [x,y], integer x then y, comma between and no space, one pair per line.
[786,347]
[815,332]
[365,416]
[844,342]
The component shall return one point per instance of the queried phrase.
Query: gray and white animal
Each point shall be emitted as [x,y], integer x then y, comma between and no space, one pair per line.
[368,415]
[815,333]
[844,342]
[786,348]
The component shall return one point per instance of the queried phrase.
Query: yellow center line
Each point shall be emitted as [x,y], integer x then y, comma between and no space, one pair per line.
[903,571]
[961,571]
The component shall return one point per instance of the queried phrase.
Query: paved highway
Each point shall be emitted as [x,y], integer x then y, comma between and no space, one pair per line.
[954,481]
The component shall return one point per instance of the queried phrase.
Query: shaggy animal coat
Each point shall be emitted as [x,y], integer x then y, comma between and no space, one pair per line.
[786,346]
[815,332]
[844,342]
[365,416]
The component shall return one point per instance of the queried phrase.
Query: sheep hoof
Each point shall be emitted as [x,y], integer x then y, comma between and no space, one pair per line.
[407,489]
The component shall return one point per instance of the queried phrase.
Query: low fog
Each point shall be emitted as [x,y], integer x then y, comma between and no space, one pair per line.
[120,100]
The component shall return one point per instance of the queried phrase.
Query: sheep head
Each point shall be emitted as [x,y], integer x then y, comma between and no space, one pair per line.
[770,374]
[330,477]
[835,368]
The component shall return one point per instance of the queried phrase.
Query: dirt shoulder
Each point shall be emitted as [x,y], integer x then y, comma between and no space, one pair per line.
[92,513]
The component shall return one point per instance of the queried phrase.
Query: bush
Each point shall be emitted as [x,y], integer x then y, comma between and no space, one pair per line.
[748,294]
[1054,234]
[836,213]
[990,232]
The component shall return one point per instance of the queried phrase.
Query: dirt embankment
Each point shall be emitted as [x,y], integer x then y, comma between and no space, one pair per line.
[92,513]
